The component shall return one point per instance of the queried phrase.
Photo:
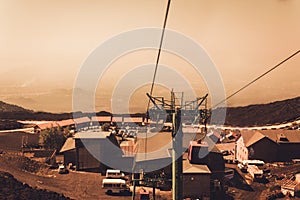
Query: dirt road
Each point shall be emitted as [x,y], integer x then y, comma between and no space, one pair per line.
[76,185]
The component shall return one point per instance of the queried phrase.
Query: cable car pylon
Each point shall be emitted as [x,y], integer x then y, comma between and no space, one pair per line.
[176,111]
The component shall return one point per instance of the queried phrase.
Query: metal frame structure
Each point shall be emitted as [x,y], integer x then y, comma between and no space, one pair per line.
[176,108]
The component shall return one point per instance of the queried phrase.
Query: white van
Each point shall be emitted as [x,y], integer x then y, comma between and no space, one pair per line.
[114,173]
[114,185]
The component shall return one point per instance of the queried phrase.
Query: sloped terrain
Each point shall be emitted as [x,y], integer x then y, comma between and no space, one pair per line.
[5,107]
[22,178]
[10,188]
[14,112]
[263,114]
[16,162]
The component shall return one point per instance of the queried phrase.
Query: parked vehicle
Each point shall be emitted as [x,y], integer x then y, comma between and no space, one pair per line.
[114,185]
[255,172]
[62,169]
[114,173]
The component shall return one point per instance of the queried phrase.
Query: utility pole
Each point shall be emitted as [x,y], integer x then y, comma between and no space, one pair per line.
[133,189]
[177,156]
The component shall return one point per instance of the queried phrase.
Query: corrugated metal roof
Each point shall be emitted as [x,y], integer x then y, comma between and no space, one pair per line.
[188,168]
[92,134]
[133,119]
[117,119]
[257,136]
[225,146]
[82,120]
[293,136]
[250,137]
[161,121]
[151,156]
[47,125]
[101,118]
[68,145]
[66,122]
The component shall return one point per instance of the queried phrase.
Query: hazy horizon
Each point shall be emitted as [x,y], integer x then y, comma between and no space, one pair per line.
[44,44]
[37,107]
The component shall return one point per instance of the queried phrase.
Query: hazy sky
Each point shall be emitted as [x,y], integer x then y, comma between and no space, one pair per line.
[44,43]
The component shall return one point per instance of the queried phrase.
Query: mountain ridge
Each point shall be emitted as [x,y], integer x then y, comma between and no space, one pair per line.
[263,114]
[252,115]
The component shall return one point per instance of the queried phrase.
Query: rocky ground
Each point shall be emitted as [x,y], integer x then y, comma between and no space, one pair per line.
[11,188]
[239,189]
[22,175]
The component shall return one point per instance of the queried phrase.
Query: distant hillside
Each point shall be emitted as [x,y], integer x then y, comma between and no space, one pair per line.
[14,112]
[5,107]
[263,114]
[252,115]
